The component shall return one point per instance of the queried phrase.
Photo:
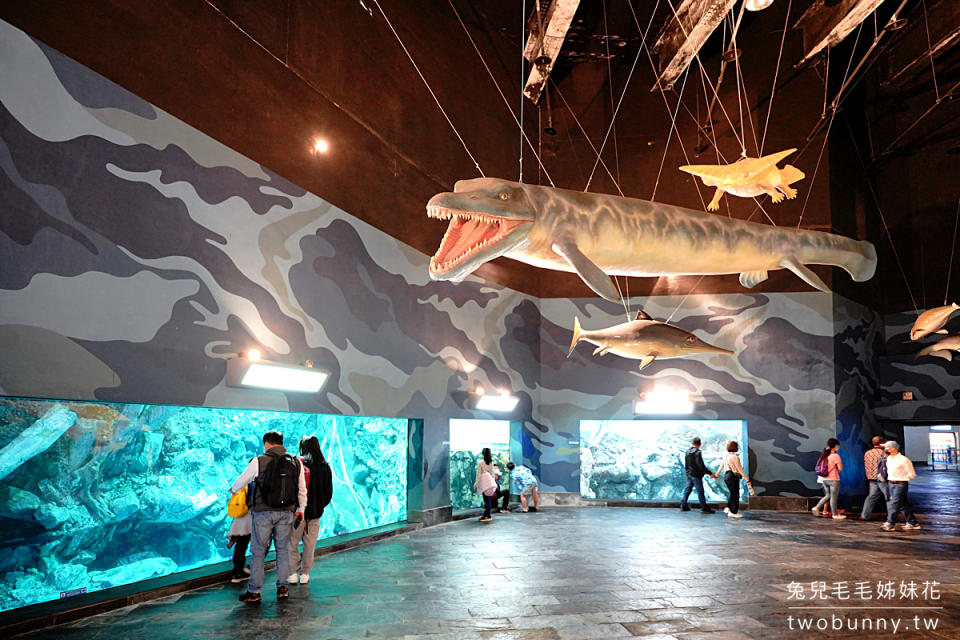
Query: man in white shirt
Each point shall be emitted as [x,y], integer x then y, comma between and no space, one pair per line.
[899,474]
[279,491]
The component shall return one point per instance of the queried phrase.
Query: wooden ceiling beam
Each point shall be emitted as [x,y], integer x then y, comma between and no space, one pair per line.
[825,26]
[548,31]
[682,37]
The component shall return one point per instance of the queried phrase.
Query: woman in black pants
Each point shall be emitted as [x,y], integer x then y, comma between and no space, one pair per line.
[733,474]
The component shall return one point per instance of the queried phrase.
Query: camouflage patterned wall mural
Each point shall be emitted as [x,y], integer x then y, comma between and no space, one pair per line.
[138,254]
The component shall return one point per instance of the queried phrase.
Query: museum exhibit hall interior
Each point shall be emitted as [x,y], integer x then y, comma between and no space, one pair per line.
[479,319]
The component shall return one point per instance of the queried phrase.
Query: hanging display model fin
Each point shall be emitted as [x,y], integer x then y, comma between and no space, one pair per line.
[942,349]
[643,340]
[932,321]
[598,236]
[749,177]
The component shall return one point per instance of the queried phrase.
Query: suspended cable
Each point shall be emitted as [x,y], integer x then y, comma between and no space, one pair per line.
[587,138]
[883,218]
[776,72]
[673,123]
[739,78]
[933,68]
[692,289]
[953,248]
[427,85]
[523,71]
[833,114]
[616,146]
[499,90]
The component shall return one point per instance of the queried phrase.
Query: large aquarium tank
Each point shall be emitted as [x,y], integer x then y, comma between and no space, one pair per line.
[96,495]
[643,459]
[467,440]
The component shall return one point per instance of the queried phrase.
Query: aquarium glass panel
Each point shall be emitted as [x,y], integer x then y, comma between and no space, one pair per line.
[467,440]
[643,459]
[98,495]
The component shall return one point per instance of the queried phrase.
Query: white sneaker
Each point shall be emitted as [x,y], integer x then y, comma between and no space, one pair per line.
[840,517]
[886,526]
[304,578]
[726,510]
[292,578]
[911,526]
[730,514]
[815,511]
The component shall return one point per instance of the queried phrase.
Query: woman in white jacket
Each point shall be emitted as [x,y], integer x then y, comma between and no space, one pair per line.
[733,473]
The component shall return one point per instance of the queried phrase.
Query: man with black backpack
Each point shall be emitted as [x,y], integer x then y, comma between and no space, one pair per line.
[279,491]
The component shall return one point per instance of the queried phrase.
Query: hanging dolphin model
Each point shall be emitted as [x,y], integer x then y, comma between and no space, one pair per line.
[932,321]
[643,339]
[598,235]
[941,349]
[749,177]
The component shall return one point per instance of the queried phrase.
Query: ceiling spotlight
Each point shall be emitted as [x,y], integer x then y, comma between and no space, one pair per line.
[731,54]
[756,5]
[895,24]
[479,390]
[320,146]
[253,355]
[541,60]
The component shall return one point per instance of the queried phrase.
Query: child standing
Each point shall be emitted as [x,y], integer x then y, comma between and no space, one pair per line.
[239,538]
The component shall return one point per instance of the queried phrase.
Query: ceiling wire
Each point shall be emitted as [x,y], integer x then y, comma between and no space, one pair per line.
[883,218]
[499,90]
[616,183]
[673,123]
[616,146]
[953,248]
[833,115]
[523,71]
[427,84]
[739,78]
[933,68]
[776,72]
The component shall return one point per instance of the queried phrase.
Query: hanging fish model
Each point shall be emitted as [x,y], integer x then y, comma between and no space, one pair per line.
[941,349]
[932,321]
[643,339]
[598,235]
[749,177]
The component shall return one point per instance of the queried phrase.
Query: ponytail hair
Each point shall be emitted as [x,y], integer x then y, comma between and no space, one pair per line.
[487,455]
[831,443]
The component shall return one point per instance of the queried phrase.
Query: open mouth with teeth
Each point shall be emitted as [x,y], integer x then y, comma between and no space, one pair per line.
[468,235]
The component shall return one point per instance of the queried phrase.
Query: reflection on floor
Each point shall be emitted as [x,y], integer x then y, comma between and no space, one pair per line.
[598,573]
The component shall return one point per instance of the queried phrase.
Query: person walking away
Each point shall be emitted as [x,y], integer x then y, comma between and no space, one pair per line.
[279,492]
[899,474]
[830,464]
[522,482]
[486,483]
[878,486]
[319,481]
[733,473]
[696,469]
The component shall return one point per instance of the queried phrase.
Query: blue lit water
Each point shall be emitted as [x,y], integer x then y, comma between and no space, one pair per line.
[97,495]
[643,459]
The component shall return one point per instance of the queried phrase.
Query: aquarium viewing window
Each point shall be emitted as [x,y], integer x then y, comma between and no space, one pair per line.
[467,440]
[644,459]
[95,495]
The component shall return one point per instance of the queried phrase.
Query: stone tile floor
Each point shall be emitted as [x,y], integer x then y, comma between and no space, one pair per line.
[584,573]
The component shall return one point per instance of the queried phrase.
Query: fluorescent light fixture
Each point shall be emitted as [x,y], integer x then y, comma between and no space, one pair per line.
[270,375]
[662,402]
[501,402]
[941,427]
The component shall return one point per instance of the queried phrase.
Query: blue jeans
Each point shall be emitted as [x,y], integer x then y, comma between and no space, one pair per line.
[877,488]
[691,483]
[266,525]
[899,503]
[831,493]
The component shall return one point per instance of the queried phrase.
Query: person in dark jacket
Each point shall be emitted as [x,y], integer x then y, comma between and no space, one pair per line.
[319,492]
[696,469]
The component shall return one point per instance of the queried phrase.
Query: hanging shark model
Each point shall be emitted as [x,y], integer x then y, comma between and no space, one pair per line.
[597,236]
[749,177]
[932,321]
[643,339]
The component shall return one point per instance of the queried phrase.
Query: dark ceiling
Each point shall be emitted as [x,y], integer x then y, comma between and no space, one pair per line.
[265,77]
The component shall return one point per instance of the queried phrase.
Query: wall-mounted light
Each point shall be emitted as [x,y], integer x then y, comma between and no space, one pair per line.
[502,401]
[320,146]
[663,401]
[756,5]
[252,371]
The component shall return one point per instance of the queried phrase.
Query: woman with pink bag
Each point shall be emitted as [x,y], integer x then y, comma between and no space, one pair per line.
[486,483]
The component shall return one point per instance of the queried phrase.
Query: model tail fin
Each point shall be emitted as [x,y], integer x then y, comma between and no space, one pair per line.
[576,335]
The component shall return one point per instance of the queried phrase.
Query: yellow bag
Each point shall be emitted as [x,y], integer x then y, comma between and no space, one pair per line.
[237,506]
